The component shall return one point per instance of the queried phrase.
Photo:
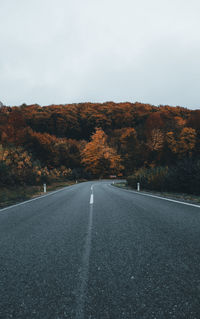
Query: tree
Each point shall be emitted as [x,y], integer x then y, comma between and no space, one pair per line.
[14,130]
[184,144]
[155,140]
[129,149]
[99,158]
[187,140]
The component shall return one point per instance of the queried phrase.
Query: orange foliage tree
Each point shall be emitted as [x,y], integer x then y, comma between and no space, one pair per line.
[129,148]
[184,144]
[99,158]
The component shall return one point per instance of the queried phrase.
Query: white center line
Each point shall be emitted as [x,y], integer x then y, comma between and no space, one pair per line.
[91,199]
[84,270]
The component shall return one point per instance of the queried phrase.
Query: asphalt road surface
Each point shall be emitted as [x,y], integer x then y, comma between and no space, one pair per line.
[94,251]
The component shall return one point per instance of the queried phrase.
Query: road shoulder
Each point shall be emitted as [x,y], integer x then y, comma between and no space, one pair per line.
[181,197]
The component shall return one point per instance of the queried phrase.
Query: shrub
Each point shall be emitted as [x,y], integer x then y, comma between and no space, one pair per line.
[184,177]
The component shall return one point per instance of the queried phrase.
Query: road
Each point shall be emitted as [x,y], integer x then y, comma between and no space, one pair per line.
[94,251]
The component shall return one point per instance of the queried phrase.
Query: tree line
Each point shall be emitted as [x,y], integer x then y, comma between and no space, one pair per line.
[92,140]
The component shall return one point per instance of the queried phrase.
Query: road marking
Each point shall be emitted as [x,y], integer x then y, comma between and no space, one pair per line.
[168,199]
[91,199]
[31,200]
[84,271]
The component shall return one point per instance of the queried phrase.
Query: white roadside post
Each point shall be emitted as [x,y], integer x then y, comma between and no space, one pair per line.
[138,187]
[45,188]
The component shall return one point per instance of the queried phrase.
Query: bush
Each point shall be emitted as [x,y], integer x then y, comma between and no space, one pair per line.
[151,178]
[5,175]
[184,177]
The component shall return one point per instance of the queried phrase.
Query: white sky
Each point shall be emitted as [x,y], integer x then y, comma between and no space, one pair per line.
[65,51]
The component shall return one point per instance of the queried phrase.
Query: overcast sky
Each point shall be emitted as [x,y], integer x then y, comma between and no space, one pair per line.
[68,51]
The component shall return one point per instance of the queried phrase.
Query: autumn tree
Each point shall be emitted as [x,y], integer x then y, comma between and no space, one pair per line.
[184,143]
[14,129]
[129,146]
[187,140]
[18,164]
[99,158]
[136,135]
[68,152]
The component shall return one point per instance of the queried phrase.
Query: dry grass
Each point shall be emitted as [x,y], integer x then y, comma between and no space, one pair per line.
[12,195]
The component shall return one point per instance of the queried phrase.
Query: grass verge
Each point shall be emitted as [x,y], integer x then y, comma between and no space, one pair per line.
[13,195]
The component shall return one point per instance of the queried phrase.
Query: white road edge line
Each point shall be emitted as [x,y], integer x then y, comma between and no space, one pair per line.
[168,199]
[31,200]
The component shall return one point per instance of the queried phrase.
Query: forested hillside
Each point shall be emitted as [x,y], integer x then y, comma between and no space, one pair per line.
[92,140]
